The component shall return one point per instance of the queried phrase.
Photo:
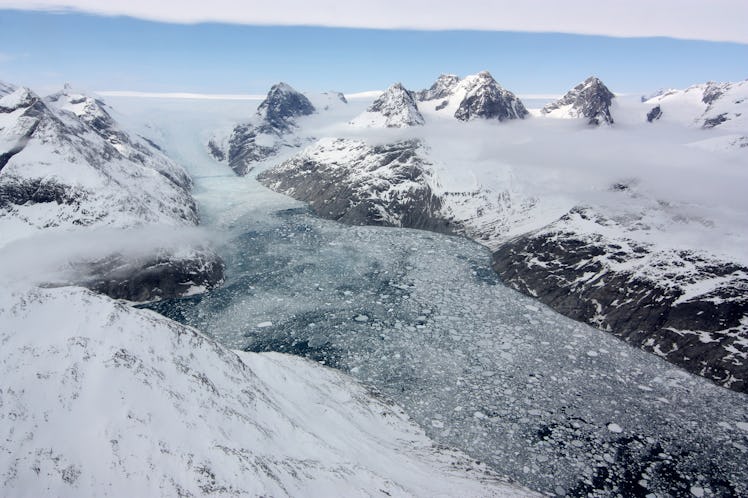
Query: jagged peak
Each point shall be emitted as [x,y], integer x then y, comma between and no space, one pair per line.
[282,104]
[440,89]
[395,108]
[590,99]
[485,98]
[19,98]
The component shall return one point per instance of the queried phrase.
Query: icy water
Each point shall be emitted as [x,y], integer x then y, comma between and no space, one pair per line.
[554,404]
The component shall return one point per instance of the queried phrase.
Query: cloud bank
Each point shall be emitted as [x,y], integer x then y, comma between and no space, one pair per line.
[713,20]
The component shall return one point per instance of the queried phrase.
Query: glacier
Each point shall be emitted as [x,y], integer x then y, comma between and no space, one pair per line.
[554,404]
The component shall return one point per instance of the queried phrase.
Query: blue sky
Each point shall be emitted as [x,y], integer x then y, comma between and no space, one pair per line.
[43,50]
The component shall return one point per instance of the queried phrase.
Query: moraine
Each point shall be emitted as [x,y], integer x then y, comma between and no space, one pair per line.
[555,404]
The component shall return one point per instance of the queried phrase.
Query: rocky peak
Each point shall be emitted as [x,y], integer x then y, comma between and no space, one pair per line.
[398,106]
[441,89]
[714,91]
[88,109]
[485,98]
[282,104]
[18,98]
[590,99]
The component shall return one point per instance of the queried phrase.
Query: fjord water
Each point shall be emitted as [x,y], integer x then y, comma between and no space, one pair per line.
[554,404]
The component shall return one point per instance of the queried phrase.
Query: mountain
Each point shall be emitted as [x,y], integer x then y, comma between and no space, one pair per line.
[271,130]
[442,88]
[395,184]
[353,182]
[395,108]
[686,305]
[67,168]
[590,100]
[158,409]
[282,105]
[475,96]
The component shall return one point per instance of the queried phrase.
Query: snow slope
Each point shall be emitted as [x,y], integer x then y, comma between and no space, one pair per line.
[97,398]
[711,105]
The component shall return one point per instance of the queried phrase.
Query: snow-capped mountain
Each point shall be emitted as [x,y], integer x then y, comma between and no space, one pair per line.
[356,183]
[66,166]
[66,155]
[282,105]
[475,96]
[100,399]
[395,184]
[590,100]
[271,130]
[688,306]
[395,108]
[722,106]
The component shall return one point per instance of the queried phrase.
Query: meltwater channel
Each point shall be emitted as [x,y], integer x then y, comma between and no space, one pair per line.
[420,317]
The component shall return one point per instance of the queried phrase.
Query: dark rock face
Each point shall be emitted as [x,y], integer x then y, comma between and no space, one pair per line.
[250,143]
[715,121]
[25,191]
[486,99]
[244,151]
[387,186]
[282,104]
[216,151]
[161,277]
[713,92]
[590,99]
[441,89]
[654,114]
[702,334]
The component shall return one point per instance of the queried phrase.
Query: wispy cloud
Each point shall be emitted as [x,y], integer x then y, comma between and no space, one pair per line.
[715,20]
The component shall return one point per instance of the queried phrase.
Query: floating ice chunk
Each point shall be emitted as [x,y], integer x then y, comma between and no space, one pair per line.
[263,325]
[697,491]
[612,427]
[742,425]
[437,423]
[361,318]
[592,353]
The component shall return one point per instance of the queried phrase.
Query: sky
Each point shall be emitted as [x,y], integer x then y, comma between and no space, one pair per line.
[103,46]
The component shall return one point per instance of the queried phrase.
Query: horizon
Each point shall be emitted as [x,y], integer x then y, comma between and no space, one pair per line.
[44,50]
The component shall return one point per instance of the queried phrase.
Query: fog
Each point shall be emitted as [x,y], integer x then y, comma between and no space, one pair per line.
[67,257]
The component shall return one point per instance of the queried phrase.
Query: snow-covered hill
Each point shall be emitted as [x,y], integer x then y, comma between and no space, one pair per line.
[639,229]
[66,167]
[590,100]
[99,399]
